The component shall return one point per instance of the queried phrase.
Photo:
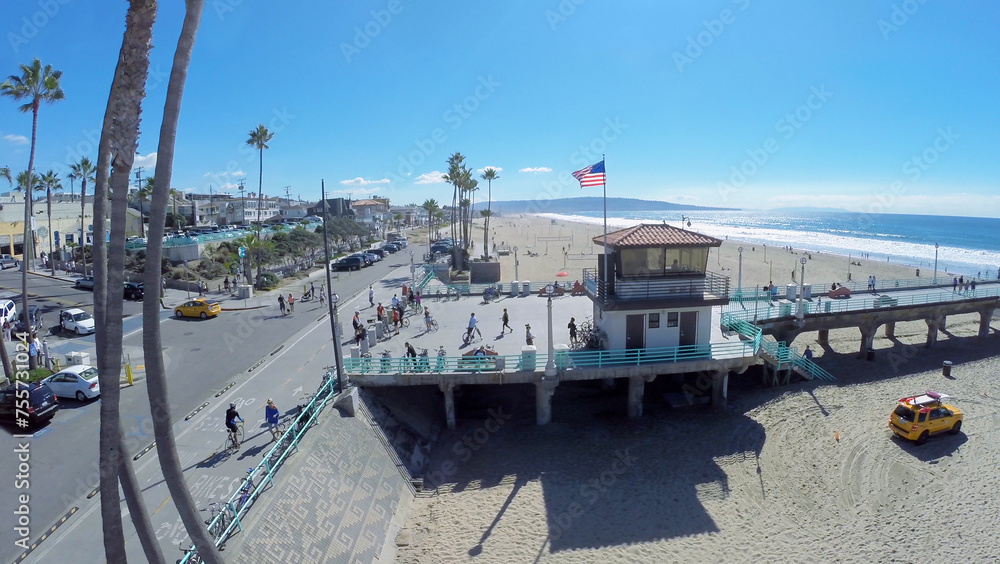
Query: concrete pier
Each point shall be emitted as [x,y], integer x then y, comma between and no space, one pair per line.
[449,403]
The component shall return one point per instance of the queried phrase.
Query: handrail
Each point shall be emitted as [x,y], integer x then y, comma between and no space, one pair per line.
[296,429]
[674,286]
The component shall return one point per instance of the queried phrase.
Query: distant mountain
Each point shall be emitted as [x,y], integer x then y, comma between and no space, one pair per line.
[568,205]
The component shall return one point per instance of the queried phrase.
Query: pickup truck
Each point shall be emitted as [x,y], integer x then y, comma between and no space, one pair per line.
[7,261]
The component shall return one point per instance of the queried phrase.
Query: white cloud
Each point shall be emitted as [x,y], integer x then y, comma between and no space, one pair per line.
[148,163]
[536,169]
[363,182]
[16,139]
[496,168]
[433,177]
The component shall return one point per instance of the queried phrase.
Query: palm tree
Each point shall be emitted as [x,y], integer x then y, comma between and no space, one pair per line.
[454,176]
[143,194]
[51,182]
[489,175]
[36,84]
[5,173]
[258,139]
[84,170]
[432,208]
[156,381]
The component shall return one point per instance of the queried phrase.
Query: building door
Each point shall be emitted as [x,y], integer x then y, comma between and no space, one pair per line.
[635,326]
[689,328]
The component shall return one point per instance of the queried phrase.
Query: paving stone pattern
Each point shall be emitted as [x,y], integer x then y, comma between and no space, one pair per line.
[337,505]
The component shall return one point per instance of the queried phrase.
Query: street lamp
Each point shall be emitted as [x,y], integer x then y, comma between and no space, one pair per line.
[338,354]
[739,274]
[413,275]
[935,263]
[802,281]
[765,252]
[550,364]
[516,277]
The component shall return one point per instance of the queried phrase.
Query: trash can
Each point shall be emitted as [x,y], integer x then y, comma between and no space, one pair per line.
[372,336]
[513,288]
[790,291]
[786,309]
[829,306]
[525,288]
[807,291]
[870,355]
[946,368]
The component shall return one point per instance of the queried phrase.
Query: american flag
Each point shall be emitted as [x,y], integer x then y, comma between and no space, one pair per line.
[592,175]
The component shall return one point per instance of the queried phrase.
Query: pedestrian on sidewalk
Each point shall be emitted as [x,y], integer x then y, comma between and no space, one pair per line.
[572,330]
[380,312]
[322,296]
[281,303]
[6,331]
[418,298]
[225,284]
[506,323]
[529,339]
[396,319]
[163,286]
[371,296]
[291,303]
[271,415]
[312,289]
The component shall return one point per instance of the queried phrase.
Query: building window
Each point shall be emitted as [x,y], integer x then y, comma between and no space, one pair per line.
[654,321]
[672,319]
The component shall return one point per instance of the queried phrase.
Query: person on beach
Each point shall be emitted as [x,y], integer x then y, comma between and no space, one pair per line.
[281,303]
[506,323]
[529,339]
[572,330]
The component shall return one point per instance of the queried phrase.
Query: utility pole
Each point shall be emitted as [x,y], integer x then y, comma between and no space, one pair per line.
[288,192]
[138,187]
[210,209]
[243,202]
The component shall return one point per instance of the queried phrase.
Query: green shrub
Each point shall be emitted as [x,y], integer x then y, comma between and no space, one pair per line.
[268,281]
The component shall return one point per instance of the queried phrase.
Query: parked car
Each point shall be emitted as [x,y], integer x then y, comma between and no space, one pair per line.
[78,381]
[35,318]
[8,311]
[198,307]
[441,248]
[35,401]
[77,321]
[391,247]
[84,283]
[133,291]
[401,242]
[380,252]
[348,263]
[365,261]
[7,261]
[918,417]
[372,257]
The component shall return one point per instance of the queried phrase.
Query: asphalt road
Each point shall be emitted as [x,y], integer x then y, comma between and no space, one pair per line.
[201,358]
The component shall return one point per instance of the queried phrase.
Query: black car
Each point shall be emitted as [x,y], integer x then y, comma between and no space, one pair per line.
[34,401]
[348,263]
[391,247]
[441,248]
[35,317]
[133,291]
[379,252]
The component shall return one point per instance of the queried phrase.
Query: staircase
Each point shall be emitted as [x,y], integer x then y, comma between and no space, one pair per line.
[782,359]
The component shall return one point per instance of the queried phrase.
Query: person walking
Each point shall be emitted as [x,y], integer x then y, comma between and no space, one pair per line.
[281,303]
[411,354]
[322,296]
[380,312]
[291,303]
[417,298]
[506,323]
[371,296]
[271,416]
[954,285]
[396,318]
[312,289]
[529,339]
[972,286]
[572,330]
[472,327]
[808,353]
[6,331]
[225,284]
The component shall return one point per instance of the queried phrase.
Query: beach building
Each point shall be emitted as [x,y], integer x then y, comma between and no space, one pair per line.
[658,292]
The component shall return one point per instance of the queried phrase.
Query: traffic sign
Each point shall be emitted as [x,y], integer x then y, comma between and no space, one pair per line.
[243,252]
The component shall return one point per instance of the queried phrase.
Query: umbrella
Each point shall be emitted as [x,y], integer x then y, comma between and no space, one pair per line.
[563,273]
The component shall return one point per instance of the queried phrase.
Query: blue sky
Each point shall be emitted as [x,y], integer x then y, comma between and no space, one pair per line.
[871,106]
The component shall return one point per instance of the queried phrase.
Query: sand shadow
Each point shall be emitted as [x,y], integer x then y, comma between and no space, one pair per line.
[936,448]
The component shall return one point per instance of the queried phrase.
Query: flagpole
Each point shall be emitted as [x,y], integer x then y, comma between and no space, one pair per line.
[605,183]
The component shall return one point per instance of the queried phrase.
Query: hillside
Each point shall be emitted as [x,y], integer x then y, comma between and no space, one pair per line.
[564,205]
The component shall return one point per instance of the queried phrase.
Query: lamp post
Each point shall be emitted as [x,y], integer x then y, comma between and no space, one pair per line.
[739,274]
[765,252]
[935,263]
[334,298]
[338,354]
[550,364]
[800,313]
[413,275]
[516,277]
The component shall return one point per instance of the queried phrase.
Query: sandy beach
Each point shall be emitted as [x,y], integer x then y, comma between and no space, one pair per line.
[802,473]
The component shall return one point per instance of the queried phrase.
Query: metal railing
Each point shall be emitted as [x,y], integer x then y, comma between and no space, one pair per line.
[269,465]
[681,286]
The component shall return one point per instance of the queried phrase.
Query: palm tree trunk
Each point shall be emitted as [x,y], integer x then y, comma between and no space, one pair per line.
[137,508]
[28,239]
[260,202]
[83,223]
[48,205]
[121,128]
[156,381]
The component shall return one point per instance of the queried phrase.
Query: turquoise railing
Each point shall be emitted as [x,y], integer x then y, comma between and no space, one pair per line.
[272,461]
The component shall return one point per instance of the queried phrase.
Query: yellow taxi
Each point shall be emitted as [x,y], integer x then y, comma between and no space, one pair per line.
[918,417]
[198,307]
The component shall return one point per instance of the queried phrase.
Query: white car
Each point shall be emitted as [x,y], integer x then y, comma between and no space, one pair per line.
[76,321]
[8,311]
[78,381]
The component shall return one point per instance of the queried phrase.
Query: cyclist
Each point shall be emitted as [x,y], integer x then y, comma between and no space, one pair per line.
[472,327]
[231,416]
[271,414]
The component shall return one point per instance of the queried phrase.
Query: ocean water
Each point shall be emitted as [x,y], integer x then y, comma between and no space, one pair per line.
[966,245]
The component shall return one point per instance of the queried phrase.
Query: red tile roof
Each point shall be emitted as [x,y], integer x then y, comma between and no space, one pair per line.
[656,235]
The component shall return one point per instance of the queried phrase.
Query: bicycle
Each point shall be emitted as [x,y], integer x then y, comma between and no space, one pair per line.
[235,439]
[219,527]
[246,490]
[432,325]
[385,363]
[490,293]
[442,360]
[474,337]
[191,553]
